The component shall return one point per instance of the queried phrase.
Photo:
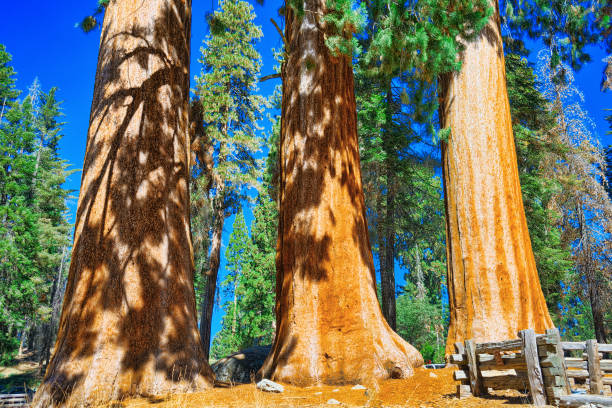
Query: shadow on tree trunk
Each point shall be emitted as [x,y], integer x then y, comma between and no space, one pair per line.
[128,324]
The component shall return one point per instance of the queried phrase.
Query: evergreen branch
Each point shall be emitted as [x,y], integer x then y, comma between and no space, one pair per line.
[280,32]
[272,76]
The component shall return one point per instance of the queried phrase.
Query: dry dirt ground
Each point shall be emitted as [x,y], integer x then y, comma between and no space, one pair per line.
[23,374]
[420,391]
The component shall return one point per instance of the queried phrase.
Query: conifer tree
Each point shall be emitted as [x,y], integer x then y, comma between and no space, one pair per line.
[19,235]
[231,108]
[50,173]
[249,314]
[8,93]
[34,229]
[238,258]
[257,285]
[585,203]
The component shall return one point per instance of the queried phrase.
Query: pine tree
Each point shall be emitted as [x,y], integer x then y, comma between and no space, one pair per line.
[249,314]
[50,173]
[238,257]
[231,108]
[19,235]
[8,93]
[258,281]
[585,205]
[34,228]
[567,28]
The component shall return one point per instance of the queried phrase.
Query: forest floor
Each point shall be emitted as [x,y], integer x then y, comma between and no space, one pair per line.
[16,377]
[420,391]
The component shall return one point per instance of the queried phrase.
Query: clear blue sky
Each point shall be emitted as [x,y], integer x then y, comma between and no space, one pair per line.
[44,43]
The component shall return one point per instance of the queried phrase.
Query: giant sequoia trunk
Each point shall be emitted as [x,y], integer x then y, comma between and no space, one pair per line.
[128,324]
[330,328]
[494,287]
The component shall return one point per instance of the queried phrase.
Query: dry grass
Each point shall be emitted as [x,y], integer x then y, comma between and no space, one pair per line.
[422,390]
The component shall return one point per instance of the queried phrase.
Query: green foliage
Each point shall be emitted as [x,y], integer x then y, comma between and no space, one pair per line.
[226,95]
[535,145]
[345,20]
[424,36]
[238,255]
[226,88]
[33,228]
[536,148]
[250,283]
[408,46]
[566,27]
[93,21]
[420,323]
[8,93]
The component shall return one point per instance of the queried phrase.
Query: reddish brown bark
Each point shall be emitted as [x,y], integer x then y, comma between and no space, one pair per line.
[128,324]
[330,328]
[494,287]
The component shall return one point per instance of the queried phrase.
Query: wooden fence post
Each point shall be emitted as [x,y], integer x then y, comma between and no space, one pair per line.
[459,349]
[463,389]
[595,381]
[475,380]
[534,373]
[555,333]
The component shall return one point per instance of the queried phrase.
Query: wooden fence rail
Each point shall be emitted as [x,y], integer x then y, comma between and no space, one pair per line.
[533,363]
[14,400]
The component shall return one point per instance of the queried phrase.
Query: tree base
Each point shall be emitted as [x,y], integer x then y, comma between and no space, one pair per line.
[94,388]
[342,357]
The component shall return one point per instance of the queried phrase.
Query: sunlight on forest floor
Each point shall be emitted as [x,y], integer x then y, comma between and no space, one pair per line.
[421,390]
[23,374]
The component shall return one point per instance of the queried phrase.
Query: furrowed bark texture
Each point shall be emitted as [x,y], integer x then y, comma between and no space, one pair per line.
[330,328]
[128,324]
[494,288]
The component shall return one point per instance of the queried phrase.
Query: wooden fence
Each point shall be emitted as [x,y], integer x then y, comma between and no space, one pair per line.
[14,400]
[532,363]
[590,365]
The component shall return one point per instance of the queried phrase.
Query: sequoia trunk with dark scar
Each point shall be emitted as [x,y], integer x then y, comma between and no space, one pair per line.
[494,288]
[330,327]
[128,323]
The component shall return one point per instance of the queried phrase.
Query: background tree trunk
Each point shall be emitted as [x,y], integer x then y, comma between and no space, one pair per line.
[387,275]
[494,287]
[208,301]
[593,276]
[128,323]
[420,284]
[330,328]
[50,327]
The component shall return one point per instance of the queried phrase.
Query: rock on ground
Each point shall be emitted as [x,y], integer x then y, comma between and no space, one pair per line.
[241,366]
[269,386]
